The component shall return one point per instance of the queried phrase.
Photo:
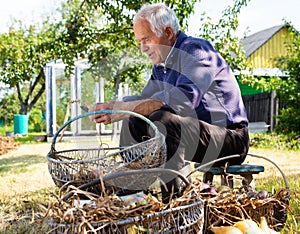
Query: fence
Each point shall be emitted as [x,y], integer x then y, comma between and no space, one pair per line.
[262,107]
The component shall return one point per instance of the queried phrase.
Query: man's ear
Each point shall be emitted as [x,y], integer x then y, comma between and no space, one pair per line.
[169,33]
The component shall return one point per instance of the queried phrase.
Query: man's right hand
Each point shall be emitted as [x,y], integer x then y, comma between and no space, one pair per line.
[101,118]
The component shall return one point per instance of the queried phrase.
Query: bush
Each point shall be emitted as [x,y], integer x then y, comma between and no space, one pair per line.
[36,122]
[273,140]
[289,121]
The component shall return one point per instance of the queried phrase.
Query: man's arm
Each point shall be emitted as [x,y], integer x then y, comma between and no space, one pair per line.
[143,107]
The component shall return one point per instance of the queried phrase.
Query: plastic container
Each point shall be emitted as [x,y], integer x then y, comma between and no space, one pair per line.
[21,124]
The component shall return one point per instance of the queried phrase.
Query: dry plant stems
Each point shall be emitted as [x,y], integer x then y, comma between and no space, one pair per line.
[230,207]
[105,210]
[82,165]
[224,208]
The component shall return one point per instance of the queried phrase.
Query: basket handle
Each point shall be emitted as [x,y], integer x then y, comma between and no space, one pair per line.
[269,160]
[126,173]
[152,125]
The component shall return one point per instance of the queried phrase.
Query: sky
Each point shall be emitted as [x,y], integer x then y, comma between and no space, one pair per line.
[258,15]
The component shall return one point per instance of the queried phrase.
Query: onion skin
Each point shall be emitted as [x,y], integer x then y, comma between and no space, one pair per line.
[226,230]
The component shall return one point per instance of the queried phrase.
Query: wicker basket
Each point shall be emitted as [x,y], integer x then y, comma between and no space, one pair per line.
[79,166]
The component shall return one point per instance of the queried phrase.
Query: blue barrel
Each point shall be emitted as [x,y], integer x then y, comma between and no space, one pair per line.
[21,124]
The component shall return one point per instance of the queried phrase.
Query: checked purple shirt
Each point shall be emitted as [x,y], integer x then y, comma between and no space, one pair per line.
[196,81]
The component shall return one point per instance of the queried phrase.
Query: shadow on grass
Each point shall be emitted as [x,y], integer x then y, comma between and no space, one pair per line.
[23,213]
[20,164]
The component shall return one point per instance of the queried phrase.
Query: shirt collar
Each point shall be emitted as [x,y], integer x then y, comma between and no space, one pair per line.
[170,52]
[179,39]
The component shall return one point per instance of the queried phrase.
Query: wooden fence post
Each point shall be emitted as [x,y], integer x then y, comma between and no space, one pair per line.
[272,110]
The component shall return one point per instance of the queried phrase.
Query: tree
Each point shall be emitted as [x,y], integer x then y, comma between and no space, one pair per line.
[288,88]
[9,106]
[92,29]
[222,35]
[24,51]
[102,32]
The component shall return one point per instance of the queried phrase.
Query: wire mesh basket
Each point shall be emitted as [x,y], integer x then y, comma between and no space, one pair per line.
[182,215]
[182,219]
[79,166]
[231,206]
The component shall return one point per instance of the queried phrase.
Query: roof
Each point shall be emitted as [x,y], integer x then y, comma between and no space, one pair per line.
[256,40]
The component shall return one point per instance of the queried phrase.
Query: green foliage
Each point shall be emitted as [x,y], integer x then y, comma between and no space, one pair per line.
[24,51]
[5,129]
[36,123]
[288,88]
[101,31]
[222,35]
[8,107]
[289,120]
[276,141]
[97,30]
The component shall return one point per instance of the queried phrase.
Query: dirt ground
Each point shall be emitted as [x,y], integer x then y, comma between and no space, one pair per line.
[7,144]
[35,156]
[25,168]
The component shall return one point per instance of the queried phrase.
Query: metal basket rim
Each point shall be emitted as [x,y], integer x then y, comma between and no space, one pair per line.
[53,151]
[152,125]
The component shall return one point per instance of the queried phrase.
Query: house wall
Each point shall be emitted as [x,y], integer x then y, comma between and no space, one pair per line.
[275,47]
[263,107]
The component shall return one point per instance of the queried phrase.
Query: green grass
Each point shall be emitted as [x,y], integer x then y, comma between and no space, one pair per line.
[29,138]
[273,184]
[276,141]
[24,213]
[19,165]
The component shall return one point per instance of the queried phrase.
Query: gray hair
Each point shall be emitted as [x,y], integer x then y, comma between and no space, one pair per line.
[159,16]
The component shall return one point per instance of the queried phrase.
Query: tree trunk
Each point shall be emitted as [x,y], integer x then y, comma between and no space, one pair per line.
[26,105]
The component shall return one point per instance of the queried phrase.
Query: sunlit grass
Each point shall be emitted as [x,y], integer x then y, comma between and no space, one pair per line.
[273,184]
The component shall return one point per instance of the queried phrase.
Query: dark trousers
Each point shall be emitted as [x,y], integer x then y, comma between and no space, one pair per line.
[189,139]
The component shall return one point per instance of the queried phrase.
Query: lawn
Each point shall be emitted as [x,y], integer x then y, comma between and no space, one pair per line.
[27,187]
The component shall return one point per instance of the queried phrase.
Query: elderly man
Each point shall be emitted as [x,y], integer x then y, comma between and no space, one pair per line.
[192,95]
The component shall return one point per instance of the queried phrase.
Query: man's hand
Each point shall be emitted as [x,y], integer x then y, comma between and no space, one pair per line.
[103,118]
[143,107]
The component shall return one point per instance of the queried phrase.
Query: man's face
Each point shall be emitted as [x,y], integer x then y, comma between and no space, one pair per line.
[157,48]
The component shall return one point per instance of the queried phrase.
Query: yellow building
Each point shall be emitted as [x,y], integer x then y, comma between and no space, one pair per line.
[261,50]
[263,47]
